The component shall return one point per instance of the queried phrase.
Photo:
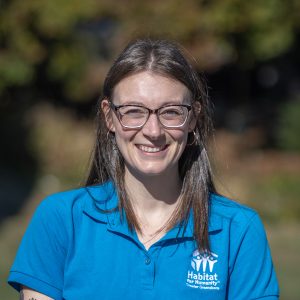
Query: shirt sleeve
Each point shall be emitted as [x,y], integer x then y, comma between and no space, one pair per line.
[39,262]
[252,275]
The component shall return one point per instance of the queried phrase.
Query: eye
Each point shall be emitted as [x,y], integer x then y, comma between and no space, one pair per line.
[133,111]
[171,112]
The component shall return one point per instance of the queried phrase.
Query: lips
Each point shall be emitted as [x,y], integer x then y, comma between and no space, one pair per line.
[151,149]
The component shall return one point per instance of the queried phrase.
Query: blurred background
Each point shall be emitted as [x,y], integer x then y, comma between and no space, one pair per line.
[54,55]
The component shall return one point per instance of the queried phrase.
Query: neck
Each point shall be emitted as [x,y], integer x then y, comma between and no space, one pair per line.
[150,193]
[154,199]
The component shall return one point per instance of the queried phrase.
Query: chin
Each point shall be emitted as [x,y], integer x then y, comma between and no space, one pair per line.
[152,171]
[143,169]
[148,172]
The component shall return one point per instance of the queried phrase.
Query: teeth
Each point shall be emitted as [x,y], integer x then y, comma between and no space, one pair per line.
[150,149]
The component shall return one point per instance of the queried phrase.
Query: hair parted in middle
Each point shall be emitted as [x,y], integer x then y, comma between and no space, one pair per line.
[164,58]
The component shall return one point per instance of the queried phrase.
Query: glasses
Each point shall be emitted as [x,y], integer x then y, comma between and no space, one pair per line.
[136,116]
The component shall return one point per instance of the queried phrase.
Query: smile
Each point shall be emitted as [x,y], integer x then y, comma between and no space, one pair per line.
[151,149]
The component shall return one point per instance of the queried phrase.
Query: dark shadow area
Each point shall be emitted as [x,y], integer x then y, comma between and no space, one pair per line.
[18,166]
[247,97]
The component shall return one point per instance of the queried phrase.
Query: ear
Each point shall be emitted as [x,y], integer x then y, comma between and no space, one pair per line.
[194,116]
[105,107]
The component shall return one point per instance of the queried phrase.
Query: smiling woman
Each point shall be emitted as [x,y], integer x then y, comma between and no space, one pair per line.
[148,146]
[149,217]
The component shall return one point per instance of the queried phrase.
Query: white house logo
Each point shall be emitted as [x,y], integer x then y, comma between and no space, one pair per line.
[203,276]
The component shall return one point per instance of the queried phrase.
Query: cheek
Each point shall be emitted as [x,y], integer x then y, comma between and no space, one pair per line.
[179,143]
[183,143]
[113,123]
[123,137]
[180,137]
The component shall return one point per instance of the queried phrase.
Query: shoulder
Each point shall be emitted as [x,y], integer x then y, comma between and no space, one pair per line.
[64,199]
[75,201]
[242,240]
[229,209]
[62,203]
[234,217]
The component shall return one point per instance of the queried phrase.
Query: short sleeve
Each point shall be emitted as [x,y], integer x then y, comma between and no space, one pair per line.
[252,275]
[39,262]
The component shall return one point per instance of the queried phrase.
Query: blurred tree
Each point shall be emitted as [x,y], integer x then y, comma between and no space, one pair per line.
[60,50]
[289,126]
[70,43]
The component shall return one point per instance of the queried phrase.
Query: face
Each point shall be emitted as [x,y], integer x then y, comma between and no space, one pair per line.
[153,149]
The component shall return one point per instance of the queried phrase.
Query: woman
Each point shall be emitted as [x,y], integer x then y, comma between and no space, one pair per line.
[149,223]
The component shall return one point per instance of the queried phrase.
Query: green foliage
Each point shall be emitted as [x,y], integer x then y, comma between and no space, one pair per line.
[47,33]
[14,71]
[277,197]
[35,33]
[289,126]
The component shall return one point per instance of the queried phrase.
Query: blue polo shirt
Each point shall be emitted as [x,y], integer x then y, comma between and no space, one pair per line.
[73,249]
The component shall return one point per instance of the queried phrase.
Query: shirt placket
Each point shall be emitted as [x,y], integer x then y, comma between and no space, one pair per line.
[148,267]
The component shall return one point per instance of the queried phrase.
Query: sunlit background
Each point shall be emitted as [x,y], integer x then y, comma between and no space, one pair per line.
[54,55]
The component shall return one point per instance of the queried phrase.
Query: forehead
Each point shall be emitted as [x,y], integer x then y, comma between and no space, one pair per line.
[150,89]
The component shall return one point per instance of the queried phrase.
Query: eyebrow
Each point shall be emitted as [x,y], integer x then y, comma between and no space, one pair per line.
[171,102]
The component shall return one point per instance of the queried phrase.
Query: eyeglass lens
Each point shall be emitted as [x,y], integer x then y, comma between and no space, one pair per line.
[169,116]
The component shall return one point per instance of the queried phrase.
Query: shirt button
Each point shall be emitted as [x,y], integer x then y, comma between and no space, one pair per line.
[147,261]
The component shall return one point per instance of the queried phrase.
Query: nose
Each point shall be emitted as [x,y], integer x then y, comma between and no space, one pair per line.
[152,128]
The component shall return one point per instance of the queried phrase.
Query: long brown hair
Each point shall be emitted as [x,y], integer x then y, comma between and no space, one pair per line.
[165,58]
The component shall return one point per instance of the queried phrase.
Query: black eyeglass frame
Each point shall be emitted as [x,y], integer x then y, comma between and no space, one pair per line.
[116,108]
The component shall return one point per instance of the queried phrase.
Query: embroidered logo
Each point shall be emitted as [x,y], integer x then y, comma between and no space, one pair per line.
[202,275]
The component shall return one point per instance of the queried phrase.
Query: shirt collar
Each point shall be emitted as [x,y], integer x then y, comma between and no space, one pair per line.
[102,205]
[101,201]
[215,222]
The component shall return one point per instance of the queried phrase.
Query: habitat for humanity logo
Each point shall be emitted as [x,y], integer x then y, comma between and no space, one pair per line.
[202,275]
